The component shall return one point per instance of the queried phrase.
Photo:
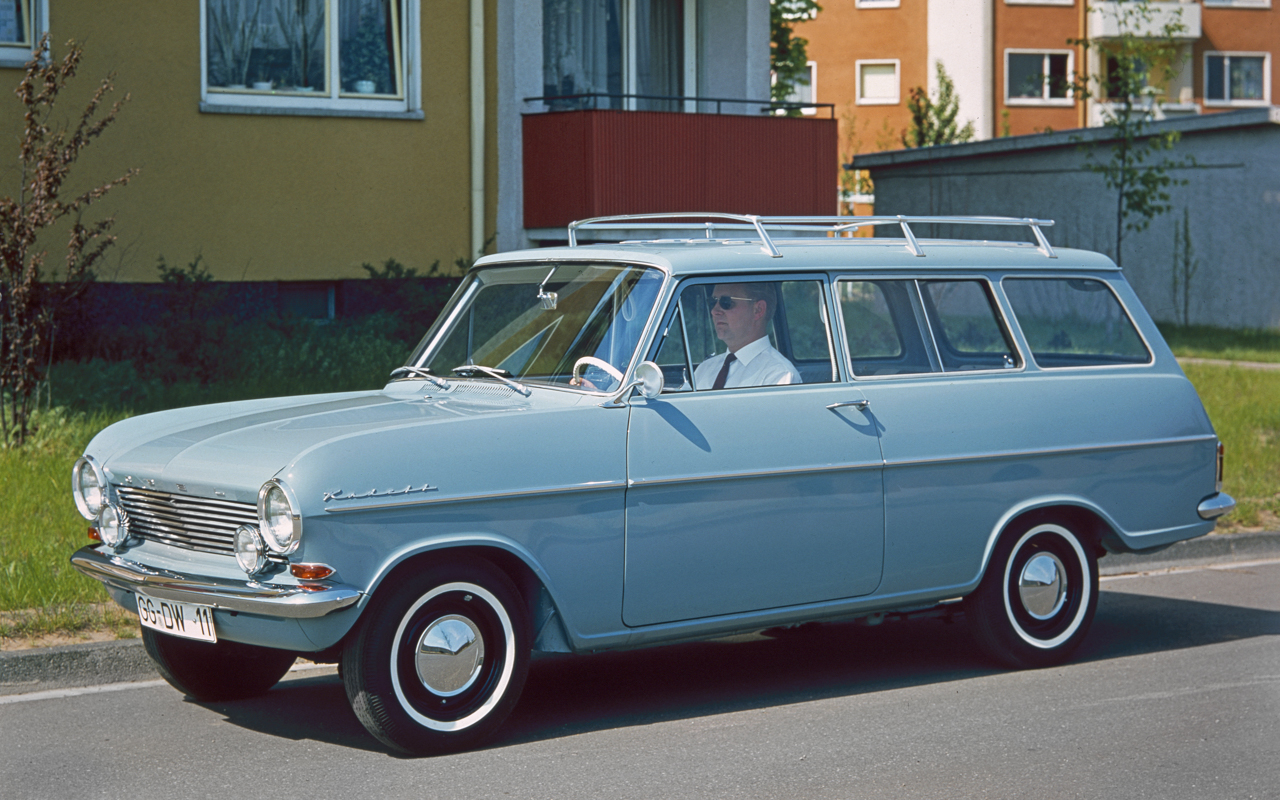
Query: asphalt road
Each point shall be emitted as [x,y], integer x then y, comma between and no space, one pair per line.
[1176,694]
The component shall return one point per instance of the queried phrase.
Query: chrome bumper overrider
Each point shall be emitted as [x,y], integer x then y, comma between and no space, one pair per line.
[247,596]
[1216,505]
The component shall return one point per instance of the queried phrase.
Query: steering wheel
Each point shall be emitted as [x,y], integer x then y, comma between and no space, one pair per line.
[592,361]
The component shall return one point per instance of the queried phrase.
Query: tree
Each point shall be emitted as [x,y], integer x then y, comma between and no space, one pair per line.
[1127,62]
[933,121]
[788,53]
[30,299]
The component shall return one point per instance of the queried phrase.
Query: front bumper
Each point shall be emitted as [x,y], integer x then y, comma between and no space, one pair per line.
[249,597]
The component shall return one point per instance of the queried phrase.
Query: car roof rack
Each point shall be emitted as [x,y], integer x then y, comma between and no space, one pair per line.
[713,221]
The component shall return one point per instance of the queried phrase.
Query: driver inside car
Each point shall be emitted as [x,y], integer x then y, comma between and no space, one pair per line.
[741,313]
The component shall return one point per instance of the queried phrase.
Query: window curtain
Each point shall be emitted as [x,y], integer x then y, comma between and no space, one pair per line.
[659,52]
[582,53]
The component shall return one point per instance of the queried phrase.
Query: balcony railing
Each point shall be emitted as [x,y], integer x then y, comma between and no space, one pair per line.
[662,102]
[597,162]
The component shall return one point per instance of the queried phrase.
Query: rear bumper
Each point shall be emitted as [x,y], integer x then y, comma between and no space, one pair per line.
[1216,505]
[249,597]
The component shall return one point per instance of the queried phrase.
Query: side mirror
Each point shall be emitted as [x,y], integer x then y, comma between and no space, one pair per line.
[649,379]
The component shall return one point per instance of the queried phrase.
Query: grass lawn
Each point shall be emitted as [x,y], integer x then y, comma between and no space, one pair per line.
[1203,341]
[39,527]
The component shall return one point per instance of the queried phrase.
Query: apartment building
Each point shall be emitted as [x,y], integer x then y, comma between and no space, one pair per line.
[1012,61]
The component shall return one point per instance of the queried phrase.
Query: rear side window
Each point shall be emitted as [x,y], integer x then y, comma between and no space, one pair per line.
[882,328]
[966,326]
[1074,323]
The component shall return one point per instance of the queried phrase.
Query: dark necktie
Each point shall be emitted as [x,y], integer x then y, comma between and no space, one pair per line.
[723,375]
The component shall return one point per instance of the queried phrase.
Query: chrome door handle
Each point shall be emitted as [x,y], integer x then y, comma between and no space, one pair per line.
[861,405]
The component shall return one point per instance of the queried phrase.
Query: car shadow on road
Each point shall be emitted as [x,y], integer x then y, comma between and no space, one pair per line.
[568,695]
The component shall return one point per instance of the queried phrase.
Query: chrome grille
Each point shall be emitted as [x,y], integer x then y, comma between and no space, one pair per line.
[193,523]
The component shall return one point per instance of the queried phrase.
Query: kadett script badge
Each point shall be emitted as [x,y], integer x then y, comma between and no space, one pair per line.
[337,494]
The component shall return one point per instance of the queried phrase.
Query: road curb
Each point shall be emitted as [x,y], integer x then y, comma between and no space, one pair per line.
[125,660]
[44,668]
[1205,550]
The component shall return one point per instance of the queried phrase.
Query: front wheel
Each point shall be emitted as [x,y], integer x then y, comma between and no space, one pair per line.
[216,671]
[1035,604]
[440,659]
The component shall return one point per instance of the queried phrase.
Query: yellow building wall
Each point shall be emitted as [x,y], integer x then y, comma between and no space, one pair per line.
[261,197]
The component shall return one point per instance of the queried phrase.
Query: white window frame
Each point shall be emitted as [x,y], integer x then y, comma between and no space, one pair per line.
[1237,3]
[1226,71]
[876,62]
[12,55]
[877,3]
[1039,2]
[334,102]
[1069,100]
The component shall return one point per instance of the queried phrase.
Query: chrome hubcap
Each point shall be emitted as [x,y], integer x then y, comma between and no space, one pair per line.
[449,655]
[1043,585]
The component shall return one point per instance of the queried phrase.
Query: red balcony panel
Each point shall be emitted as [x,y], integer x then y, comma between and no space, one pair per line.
[580,164]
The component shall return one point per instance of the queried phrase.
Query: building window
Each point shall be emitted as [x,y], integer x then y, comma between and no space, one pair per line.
[601,53]
[878,82]
[805,91]
[22,23]
[1039,2]
[335,55]
[877,3]
[1237,3]
[1237,79]
[1037,77]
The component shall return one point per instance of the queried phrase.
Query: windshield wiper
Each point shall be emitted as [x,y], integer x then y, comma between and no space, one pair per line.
[421,372]
[470,370]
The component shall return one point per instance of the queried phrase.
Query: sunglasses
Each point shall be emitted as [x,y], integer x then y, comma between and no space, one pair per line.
[727,302]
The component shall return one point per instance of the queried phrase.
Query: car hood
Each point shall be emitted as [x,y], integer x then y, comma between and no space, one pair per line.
[230,449]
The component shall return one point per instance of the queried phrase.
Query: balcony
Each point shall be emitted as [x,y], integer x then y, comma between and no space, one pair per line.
[597,162]
[1111,20]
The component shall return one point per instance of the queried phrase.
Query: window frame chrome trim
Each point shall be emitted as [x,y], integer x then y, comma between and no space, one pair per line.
[923,320]
[1013,314]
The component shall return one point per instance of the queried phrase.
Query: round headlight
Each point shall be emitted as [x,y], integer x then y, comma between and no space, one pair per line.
[251,553]
[278,517]
[88,487]
[113,526]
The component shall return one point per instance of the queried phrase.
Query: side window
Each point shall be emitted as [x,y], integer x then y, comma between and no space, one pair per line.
[966,326]
[769,333]
[882,329]
[1074,323]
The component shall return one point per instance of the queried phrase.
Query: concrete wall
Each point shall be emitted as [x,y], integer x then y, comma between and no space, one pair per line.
[1232,196]
[261,197]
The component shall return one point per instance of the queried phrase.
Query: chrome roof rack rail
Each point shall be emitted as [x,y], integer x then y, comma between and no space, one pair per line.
[829,225]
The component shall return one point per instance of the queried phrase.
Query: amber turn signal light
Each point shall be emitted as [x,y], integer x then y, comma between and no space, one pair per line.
[311,572]
[94,535]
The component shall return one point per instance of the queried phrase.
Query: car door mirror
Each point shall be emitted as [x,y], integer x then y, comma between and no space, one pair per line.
[649,379]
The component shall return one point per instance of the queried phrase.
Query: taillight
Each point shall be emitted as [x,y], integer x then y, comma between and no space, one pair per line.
[1218,485]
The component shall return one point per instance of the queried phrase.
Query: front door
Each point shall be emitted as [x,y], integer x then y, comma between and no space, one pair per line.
[751,497]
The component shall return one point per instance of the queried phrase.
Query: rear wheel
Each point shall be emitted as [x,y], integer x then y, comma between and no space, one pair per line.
[215,671]
[440,658]
[1038,598]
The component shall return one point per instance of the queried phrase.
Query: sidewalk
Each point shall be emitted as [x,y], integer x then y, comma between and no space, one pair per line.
[125,660]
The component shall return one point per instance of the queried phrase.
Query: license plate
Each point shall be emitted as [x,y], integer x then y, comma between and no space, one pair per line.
[177,619]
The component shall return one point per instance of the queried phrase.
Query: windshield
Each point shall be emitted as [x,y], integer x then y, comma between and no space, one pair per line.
[536,322]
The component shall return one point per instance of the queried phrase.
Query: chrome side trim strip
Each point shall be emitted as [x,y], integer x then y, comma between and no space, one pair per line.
[764,473]
[246,596]
[1049,451]
[1216,505]
[581,487]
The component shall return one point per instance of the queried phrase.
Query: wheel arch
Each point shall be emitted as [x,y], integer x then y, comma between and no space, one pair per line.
[1088,520]
[548,629]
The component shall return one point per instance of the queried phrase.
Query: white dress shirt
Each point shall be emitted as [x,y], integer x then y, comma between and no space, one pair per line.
[756,364]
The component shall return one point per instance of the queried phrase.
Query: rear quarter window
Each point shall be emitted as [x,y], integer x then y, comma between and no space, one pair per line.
[1073,322]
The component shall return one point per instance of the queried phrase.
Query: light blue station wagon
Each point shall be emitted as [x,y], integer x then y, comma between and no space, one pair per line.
[610,446]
